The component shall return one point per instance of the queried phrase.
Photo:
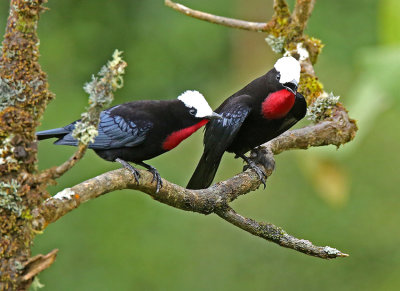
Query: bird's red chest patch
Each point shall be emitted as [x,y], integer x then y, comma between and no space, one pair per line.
[277,104]
[176,137]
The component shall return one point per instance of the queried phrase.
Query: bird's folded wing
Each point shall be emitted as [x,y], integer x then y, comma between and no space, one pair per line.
[221,132]
[116,132]
[217,138]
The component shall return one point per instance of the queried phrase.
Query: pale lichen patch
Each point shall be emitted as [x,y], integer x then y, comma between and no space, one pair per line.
[331,251]
[6,151]
[64,194]
[276,43]
[302,51]
[322,107]
[9,198]
[84,133]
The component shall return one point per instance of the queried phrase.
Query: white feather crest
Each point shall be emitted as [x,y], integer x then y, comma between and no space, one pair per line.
[194,99]
[289,68]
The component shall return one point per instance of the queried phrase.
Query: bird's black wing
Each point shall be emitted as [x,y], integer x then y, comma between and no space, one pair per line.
[217,138]
[113,132]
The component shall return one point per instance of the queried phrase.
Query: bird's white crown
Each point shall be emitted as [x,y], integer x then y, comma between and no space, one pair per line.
[194,99]
[289,68]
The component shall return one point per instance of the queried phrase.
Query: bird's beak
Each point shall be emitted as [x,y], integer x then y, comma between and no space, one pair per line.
[291,86]
[214,116]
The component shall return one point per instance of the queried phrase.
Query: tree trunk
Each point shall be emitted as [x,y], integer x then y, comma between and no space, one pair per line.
[24,95]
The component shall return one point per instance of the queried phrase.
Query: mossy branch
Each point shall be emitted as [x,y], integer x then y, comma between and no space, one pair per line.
[214,199]
[301,14]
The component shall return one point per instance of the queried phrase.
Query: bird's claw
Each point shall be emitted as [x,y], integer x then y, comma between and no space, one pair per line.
[263,157]
[128,166]
[157,178]
[262,175]
[134,172]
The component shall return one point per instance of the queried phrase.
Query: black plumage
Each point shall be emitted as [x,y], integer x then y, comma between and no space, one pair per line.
[140,130]
[259,112]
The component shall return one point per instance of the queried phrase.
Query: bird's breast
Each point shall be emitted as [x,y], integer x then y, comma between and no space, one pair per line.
[178,136]
[277,104]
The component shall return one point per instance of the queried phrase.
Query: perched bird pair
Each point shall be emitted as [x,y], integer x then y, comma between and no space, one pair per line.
[140,130]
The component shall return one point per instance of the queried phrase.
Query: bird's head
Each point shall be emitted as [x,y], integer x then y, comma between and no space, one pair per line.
[197,105]
[288,73]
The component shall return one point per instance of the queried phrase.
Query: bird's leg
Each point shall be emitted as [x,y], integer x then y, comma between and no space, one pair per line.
[262,175]
[128,166]
[156,175]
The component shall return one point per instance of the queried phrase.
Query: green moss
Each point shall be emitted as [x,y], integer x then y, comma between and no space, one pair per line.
[310,87]
[26,214]
[314,47]
[270,231]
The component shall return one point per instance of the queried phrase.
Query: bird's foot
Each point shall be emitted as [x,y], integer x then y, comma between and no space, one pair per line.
[263,156]
[156,175]
[128,166]
[259,156]
[262,175]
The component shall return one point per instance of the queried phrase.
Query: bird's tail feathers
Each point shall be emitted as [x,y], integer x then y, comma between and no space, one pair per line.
[56,132]
[205,171]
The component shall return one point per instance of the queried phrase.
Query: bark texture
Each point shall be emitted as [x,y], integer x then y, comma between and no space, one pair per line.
[24,96]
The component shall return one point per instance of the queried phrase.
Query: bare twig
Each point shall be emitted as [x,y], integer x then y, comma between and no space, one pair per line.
[58,171]
[100,95]
[215,199]
[225,21]
[277,235]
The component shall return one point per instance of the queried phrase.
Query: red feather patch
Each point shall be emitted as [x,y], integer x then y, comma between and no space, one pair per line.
[277,104]
[176,137]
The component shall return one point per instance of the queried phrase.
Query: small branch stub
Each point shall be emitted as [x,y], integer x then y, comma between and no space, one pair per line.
[37,264]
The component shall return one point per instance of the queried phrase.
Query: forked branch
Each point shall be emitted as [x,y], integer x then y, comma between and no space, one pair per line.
[214,199]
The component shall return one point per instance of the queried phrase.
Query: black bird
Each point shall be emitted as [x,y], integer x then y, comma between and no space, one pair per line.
[262,110]
[141,130]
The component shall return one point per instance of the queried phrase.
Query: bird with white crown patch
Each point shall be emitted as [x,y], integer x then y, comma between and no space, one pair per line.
[259,112]
[141,130]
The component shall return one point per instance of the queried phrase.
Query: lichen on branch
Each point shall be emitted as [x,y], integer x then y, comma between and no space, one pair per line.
[100,90]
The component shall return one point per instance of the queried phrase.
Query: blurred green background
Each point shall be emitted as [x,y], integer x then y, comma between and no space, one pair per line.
[348,199]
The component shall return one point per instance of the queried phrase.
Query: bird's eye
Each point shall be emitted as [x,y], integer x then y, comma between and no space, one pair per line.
[278,77]
[192,111]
